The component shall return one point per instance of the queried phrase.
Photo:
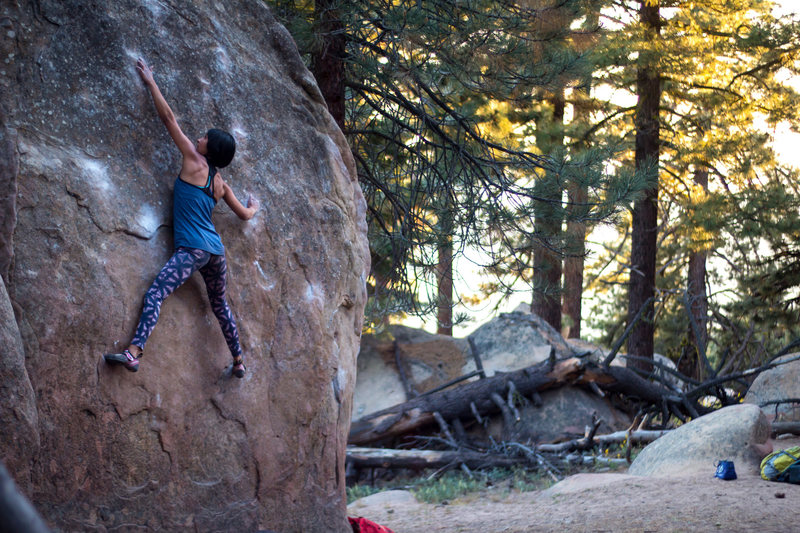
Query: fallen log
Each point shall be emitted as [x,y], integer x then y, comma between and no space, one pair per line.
[455,403]
[783,428]
[421,459]
[628,383]
[592,460]
[485,397]
[358,457]
[636,437]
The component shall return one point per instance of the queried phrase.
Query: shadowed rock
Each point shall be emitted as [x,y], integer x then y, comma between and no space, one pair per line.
[426,361]
[776,385]
[564,414]
[738,433]
[17,515]
[19,437]
[179,445]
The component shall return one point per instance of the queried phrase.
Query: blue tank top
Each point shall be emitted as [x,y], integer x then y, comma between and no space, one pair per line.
[191,218]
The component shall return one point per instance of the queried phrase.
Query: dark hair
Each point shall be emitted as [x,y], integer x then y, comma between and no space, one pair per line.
[220,148]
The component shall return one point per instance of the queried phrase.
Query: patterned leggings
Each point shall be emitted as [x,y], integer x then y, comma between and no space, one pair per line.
[183,263]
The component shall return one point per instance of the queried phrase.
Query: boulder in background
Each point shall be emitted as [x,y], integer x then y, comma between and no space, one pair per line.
[513,341]
[738,433]
[426,361]
[777,384]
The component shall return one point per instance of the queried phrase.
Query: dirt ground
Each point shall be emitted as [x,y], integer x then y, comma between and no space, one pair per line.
[615,502]
[606,502]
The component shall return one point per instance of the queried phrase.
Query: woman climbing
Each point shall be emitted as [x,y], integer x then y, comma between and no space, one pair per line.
[197,244]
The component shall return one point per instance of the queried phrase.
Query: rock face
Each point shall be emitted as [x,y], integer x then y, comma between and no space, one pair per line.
[425,360]
[564,414]
[87,226]
[739,433]
[17,401]
[517,340]
[776,384]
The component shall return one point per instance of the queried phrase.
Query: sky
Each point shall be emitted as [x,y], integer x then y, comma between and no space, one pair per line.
[786,141]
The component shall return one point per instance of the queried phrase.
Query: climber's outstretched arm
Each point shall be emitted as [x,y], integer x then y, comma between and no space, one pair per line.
[245,213]
[166,115]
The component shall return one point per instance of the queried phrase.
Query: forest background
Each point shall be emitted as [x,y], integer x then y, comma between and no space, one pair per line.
[621,165]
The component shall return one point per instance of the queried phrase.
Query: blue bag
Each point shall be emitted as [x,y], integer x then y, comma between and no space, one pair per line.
[725,470]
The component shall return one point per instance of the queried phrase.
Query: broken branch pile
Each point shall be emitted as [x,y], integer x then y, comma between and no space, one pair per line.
[360,457]
[490,396]
[446,411]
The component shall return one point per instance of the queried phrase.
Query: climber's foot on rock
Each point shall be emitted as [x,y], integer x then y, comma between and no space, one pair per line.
[126,359]
[238,368]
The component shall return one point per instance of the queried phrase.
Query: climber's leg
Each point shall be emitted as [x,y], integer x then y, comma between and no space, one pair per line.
[214,274]
[183,263]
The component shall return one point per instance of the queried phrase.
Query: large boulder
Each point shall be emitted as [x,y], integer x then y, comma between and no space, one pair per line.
[401,357]
[179,445]
[738,433]
[517,340]
[378,383]
[774,386]
[564,414]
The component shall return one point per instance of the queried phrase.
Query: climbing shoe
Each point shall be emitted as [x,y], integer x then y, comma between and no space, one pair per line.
[125,359]
[238,367]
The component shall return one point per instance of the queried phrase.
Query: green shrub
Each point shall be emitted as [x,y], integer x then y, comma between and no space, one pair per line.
[356,492]
[455,483]
[449,486]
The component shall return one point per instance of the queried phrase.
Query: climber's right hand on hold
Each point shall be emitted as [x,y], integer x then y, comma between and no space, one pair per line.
[144,71]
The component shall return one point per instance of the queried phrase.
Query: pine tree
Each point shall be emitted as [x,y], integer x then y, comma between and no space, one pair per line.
[435,92]
[444,275]
[582,107]
[724,67]
[644,234]
[546,301]
[328,57]
[696,296]
[576,229]
[547,254]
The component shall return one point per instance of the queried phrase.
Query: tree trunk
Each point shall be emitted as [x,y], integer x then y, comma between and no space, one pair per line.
[444,275]
[573,262]
[698,301]
[645,211]
[546,301]
[577,197]
[327,59]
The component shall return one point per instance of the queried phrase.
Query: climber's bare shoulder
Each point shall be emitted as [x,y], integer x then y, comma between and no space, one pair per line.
[194,170]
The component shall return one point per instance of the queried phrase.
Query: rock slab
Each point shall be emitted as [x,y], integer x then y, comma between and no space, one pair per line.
[179,445]
[564,414]
[738,433]
[776,385]
[19,439]
[425,361]
[517,340]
